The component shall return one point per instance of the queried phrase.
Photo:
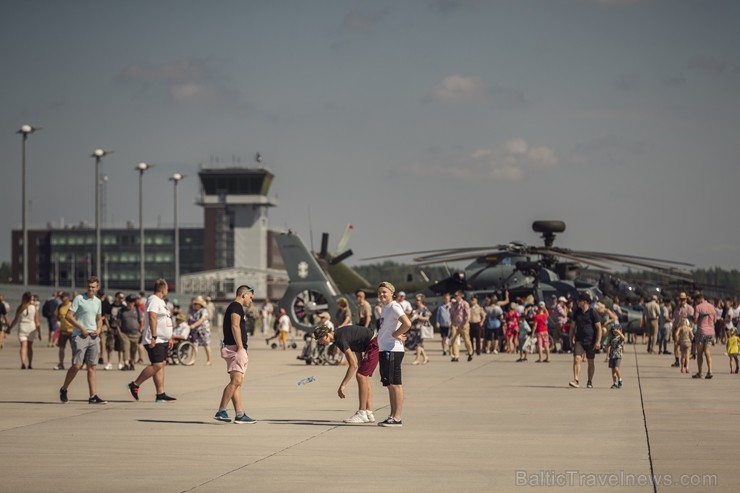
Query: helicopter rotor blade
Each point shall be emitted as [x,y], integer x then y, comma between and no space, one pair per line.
[436,252]
[634,257]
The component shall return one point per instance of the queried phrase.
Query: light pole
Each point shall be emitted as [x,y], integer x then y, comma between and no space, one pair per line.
[141,167]
[25,131]
[98,155]
[176,179]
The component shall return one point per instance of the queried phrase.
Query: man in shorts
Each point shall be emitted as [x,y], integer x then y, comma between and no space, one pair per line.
[585,337]
[394,323]
[357,343]
[157,340]
[234,352]
[86,316]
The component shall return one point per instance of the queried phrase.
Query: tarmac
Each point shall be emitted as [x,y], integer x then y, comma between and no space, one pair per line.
[487,425]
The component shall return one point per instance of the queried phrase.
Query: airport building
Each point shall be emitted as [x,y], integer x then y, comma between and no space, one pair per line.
[235,245]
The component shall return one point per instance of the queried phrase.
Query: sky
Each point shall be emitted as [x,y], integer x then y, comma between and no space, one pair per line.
[424,123]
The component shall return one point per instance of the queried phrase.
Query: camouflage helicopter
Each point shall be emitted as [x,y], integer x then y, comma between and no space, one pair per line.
[542,271]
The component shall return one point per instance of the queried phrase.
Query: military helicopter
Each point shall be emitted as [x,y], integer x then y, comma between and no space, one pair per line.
[317,279]
[542,271]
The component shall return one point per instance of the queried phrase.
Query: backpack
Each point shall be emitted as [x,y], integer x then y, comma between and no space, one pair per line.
[46,309]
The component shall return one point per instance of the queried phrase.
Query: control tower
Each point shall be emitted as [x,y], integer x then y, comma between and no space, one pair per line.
[235,229]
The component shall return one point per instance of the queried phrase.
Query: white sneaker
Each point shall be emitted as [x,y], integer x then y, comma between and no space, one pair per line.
[120,366]
[358,417]
[109,366]
[370,416]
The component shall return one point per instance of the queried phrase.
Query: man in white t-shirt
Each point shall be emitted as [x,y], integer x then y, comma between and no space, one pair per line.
[157,339]
[394,324]
[405,304]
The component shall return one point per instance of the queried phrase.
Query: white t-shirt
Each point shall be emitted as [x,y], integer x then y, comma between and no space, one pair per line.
[157,305]
[406,306]
[389,322]
[284,323]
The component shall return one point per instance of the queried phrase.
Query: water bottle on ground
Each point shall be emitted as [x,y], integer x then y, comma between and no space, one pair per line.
[307,380]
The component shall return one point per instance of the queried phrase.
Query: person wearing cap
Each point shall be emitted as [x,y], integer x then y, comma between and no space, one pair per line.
[181,332]
[585,337]
[234,352]
[651,316]
[540,332]
[683,312]
[157,340]
[394,323]
[405,304]
[325,319]
[200,325]
[65,328]
[706,316]
[360,348]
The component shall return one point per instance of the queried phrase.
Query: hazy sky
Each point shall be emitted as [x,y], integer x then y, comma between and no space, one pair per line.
[425,123]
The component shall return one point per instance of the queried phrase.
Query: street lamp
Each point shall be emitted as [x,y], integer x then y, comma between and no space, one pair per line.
[98,155]
[25,131]
[176,179]
[141,167]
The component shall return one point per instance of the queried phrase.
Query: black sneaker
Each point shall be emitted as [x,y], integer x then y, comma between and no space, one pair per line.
[164,398]
[63,395]
[391,422]
[589,385]
[96,400]
[134,389]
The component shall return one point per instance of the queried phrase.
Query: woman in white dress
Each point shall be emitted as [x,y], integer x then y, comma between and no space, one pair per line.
[29,328]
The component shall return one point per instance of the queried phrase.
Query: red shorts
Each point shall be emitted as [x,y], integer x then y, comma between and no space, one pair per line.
[369,359]
[543,339]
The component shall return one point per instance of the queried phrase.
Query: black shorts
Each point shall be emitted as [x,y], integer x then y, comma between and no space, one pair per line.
[444,331]
[390,367]
[158,353]
[582,349]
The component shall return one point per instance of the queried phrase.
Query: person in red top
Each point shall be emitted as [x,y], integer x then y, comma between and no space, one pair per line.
[540,331]
[512,328]
[705,315]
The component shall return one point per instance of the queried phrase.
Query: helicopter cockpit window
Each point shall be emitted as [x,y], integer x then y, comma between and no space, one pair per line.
[505,261]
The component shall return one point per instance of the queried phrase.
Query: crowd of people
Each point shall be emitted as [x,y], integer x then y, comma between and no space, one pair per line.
[122,320]
[97,326]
